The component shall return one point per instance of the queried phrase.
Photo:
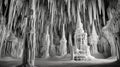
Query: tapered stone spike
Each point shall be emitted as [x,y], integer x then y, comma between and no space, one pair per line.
[94,39]
[81,50]
[90,13]
[20,50]
[84,5]
[34,36]
[94,9]
[109,14]
[47,40]
[63,45]
[79,25]
[71,46]
[100,5]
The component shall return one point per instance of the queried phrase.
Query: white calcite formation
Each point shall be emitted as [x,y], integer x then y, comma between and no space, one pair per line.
[94,40]
[63,44]
[94,9]
[100,5]
[71,46]
[81,51]
[47,43]
[90,13]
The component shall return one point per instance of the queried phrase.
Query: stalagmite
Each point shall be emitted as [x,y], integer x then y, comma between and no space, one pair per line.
[52,46]
[14,41]
[79,29]
[3,35]
[55,30]
[81,50]
[69,6]
[94,39]
[33,33]
[71,46]
[63,43]
[47,43]
[25,59]
[20,49]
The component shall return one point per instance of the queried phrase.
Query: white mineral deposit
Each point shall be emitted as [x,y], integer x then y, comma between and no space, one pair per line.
[59,33]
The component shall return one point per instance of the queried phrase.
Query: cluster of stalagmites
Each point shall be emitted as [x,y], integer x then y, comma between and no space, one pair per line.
[12,45]
[80,50]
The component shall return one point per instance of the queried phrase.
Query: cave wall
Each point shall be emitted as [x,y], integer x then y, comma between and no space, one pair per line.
[55,13]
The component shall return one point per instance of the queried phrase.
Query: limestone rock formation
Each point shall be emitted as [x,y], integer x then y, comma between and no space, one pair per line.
[63,43]
[81,50]
[32,29]
[71,47]
[94,40]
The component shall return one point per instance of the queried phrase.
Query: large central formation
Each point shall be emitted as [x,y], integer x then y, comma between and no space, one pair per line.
[81,51]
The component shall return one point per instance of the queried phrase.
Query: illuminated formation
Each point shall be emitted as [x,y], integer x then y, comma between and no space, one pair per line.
[47,41]
[63,42]
[81,51]
[59,32]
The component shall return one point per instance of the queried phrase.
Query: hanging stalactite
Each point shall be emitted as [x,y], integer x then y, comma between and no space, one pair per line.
[90,13]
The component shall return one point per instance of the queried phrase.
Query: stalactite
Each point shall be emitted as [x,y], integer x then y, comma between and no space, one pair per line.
[11,14]
[69,6]
[100,5]
[103,11]
[94,8]
[84,6]
[53,15]
[73,11]
[14,44]
[42,19]
[98,23]
[90,13]
[34,33]
[10,20]
[20,49]
[79,4]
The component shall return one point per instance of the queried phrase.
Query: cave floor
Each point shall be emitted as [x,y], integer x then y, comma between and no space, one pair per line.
[60,62]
